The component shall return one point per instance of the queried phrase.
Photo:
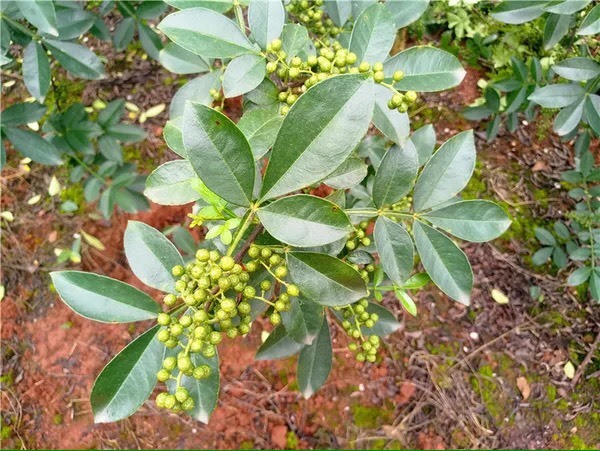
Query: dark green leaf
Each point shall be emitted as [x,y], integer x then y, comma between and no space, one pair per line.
[260,126]
[471,220]
[196,90]
[111,115]
[173,136]
[445,263]
[557,26]
[266,19]
[33,146]
[579,276]
[568,118]
[544,237]
[126,133]
[172,183]
[566,7]
[77,59]
[304,221]
[151,256]
[339,11]
[592,112]
[73,23]
[577,69]
[541,256]
[124,32]
[446,173]
[557,96]
[243,74]
[395,249]
[22,113]
[303,320]
[373,34]
[103,299]
[128,379]
[36,70]
[110,148]
[406,12]
[595,284]
[315,136]
[326,280]
[278,345]
[591,23]
[219,153]
[391,123]
[314,362]
[426,69]
[417,281]
[349,174]
[406,301]
[519,11]
[206,33]
[295,40]
[221,6]
[150,41]
[41,14]
[396,174]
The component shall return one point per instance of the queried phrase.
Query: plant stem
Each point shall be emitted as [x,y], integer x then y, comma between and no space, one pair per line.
[240,231]
[239,15]
[362,212]
[89,169]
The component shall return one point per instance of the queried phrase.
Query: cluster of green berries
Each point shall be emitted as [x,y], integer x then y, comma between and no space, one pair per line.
[312,16]
[355,317]
[402,102]
[358,237]
[277,267]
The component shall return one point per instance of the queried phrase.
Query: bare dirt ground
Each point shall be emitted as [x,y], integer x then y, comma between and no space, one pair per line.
[487,376]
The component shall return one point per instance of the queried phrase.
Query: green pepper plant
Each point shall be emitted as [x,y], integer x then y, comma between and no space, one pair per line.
[313,81]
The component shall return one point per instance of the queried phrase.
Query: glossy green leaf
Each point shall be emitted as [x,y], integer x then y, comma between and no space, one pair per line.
[592,112]
[128,379]
[294,38]
[391,123]
[385,325]
[471,220]
[418,280]
[406,12]
[206,33]
[123,34]
[302,322]
[219,153]
[426,69]
[446,173]
[178,60]
[243,74]
[196,90]
[556,27]
[111,115]
[316,136]
[566,7]
[577,69]
[544,236]
[557,96]
[260,126]
[519,11]
[541,256]
[395,249]
[591,23]
[33,146]
[396,174]
[126,133]
[324,279]
[174,137]
[151,256]
[304,221]
[220,6]
[36,70]
[406,301]
[22,113]
[445,263]
[41,14]
[339,11]
[77,59]
[278,345]
[266,19]
[314,362]
[103,299]
[172,183]
[110,148]
[424,140]
[204,392]
[373,34]
[349,174]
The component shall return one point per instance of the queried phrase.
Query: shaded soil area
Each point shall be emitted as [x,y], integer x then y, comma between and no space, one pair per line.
[488,376]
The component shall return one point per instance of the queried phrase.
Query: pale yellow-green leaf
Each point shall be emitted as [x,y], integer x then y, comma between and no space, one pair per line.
[143,117]
[99,104]
[569,370]
[132,107]
[92,241]
[33,126]
[34,200]
[7,216]
[499,297]
[54,187]
[2,292]
[155,110]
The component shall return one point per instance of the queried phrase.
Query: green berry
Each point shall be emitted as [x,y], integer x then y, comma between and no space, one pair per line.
[200,372]
[254,252]
[377,67]
[215,337]
[403,107]
[271,67]
[170,402]
[265,285]
[350,245]
[181,394]
[279,305]
[293,290]
[196,345]
[200,316]
[244,329]
[410,96]
[215,273]
[180,286]
[244,307]
[184,363]
[351,58]
[163,335]
[275,318]
[171,343]
[251,266]
[227,305]
[276,44]
[188,404]
[176,330]
[378,76]
[291,99]
[398,75]
[274,259]
[164,319]
[361,357]
[265,252]
[282,96]
[160,400]
[170,300]
[249,292]
[201,331]
[366,241]
[312,60]
[178,271]
[202,255]
[284,110]
[227,263]
[209,351]
[281,272]
[374,339]
[231,333]
[214,256]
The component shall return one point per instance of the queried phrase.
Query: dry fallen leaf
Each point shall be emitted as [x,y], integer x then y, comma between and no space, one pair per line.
[569,370]
[499,297]
[524,387]
[538,166]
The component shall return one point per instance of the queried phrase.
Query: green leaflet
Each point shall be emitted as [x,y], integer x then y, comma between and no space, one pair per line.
[33,146]
[173,183]
[266,19]
[219,153]
[278,345]
[305,221]
[314,362]
[76,59]
[151,256]
[41,14]
[315,137]
[178,60]
[243,74]
[103,299]
[302,322]
[260,126]
[395,249]
[36,70]
[373,34]
[396,174]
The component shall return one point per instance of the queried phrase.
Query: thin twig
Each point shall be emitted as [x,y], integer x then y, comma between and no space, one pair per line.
[248,243]
[586,361]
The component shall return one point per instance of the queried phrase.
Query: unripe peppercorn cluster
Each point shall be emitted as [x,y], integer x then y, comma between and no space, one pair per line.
[355,317]
[277,267]
[359,237]
[312,16]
